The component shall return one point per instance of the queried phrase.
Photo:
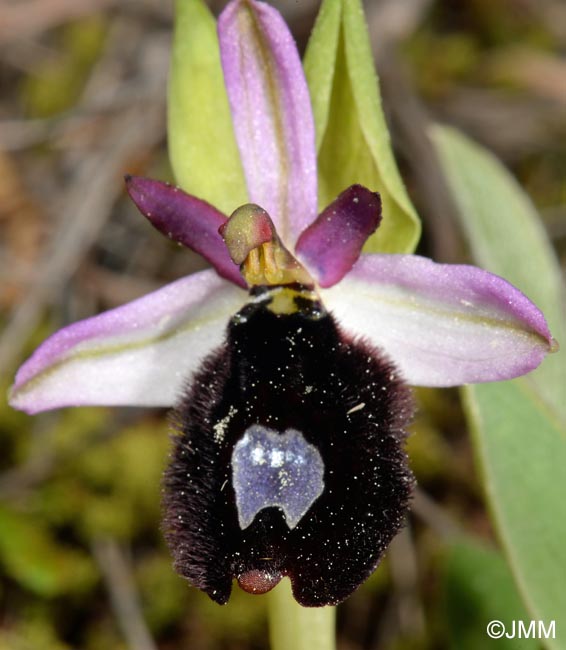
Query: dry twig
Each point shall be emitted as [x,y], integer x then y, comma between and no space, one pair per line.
[97,186]
[117,574]
[434,515]
[405,579]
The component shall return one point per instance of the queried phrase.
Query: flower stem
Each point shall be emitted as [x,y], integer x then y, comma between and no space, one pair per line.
[292,627]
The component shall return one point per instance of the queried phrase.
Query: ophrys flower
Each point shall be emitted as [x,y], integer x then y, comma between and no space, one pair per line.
[337,403]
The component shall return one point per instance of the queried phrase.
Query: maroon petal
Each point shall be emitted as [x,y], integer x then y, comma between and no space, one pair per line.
[185,219]
[331,245]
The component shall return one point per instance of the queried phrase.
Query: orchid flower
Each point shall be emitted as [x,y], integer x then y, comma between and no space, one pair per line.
[264,481]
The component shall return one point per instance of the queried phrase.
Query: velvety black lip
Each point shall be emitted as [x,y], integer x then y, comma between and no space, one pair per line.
[345,398]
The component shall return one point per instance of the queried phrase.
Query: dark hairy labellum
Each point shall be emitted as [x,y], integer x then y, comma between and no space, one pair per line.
[288,458]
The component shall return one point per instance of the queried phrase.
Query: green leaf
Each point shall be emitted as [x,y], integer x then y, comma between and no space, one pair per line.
[320,61]
[522,453]
[519,441]
[352,137]
[507,238]
[202,146]
[479,588]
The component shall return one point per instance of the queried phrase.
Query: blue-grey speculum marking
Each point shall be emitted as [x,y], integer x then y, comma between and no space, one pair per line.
[273,469]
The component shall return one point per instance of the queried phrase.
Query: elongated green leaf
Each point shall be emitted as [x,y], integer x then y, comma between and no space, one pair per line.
[507,238]
[520,443]
[202,146]
[352,136]
[479,588]
[523,454]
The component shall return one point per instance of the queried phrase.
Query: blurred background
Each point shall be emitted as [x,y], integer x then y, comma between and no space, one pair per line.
[82,102]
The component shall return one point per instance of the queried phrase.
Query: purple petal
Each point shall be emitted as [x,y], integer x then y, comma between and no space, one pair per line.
[138,354]
[185,219]
[272,114]
[442,324]
[331,245]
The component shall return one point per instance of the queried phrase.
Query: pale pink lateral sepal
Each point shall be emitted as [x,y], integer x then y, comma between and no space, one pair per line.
[443,325]
[139,354]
